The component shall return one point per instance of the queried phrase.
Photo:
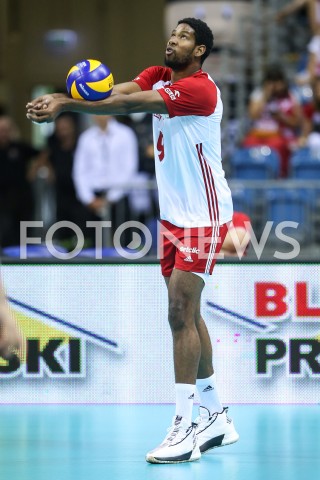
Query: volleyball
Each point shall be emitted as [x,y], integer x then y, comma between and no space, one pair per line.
[89,80]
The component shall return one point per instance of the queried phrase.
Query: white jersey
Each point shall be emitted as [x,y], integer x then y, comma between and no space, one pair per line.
[193,191]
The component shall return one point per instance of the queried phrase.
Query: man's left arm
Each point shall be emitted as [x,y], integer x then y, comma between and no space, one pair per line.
[46,108]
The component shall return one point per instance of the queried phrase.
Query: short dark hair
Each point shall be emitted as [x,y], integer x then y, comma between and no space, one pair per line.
[203,34]
[274,73]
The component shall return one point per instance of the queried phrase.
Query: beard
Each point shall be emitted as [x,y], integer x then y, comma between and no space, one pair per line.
[178,64]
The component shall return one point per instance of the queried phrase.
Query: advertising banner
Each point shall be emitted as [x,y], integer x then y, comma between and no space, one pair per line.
[98,333]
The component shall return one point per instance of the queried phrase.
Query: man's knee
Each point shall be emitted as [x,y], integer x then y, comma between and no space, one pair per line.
[180,313]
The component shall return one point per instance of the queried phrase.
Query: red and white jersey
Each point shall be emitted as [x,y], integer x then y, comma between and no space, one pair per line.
[193,191]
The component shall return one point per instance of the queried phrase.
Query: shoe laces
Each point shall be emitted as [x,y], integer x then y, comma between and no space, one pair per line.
[176,431]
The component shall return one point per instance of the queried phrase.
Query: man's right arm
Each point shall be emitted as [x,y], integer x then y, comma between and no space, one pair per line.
[121,88]
[46,108]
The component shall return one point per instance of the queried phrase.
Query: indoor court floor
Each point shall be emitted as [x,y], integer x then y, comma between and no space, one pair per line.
[89,442]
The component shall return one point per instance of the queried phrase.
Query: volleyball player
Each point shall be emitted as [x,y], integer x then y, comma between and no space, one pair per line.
[195,205]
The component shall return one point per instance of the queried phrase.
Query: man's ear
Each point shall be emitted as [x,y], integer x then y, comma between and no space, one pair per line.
[199,50]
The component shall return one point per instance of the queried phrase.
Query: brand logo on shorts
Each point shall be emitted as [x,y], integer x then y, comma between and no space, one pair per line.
[188,259]
[189,249]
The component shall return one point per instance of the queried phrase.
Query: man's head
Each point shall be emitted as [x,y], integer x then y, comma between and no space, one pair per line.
[66,126]
[102,121]
[276,78]
[191,41]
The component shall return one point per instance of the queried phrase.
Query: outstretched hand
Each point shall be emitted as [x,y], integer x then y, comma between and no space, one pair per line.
[46,108]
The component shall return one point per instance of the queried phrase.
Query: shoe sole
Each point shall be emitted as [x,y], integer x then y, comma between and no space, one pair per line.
[220,441]
[194,456]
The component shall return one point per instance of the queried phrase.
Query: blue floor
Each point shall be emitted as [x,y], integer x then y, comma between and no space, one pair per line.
[110,442]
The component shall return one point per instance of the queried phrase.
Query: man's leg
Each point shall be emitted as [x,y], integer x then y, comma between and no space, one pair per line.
[206,381]
[215,428]
[184,291]
[205,374]
[205,368]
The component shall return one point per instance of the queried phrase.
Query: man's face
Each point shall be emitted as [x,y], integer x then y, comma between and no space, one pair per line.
[180,47]
[102,121]
[279,88]
[65,127]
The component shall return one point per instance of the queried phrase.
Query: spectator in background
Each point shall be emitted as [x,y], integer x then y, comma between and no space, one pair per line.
[59,157]
[16,176]
[106,158]
[313,7]
[310,136]
[313,67]
[144,203]
[313,49]
[276,116]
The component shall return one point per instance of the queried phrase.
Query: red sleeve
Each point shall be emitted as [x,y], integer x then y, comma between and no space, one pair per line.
[308,110]
[150,76]
[195,95]
[239,219]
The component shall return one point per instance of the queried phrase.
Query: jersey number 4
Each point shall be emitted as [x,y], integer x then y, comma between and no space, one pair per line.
[160,147]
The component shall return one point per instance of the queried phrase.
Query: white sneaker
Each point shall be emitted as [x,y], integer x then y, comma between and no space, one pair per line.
[180,444]
[214,430]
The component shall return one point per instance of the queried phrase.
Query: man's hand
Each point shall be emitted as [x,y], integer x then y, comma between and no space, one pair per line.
[11,341]
[46,108]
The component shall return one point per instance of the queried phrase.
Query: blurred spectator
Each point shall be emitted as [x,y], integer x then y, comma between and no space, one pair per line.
[313,7]
[240,226]
[311,123]
[144,203]
[106,158]
[313,68]
[142,125]
[59,157]
[276,116]
[16,176]
[313,49]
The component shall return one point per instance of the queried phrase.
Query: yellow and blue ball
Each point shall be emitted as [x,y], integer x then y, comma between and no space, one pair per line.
[89,80]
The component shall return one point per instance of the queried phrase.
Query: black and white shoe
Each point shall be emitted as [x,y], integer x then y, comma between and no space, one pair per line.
[214,430]
[180,444]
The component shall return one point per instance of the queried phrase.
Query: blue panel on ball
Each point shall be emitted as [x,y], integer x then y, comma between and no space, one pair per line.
[90,94]
[98,74]
[76,74]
